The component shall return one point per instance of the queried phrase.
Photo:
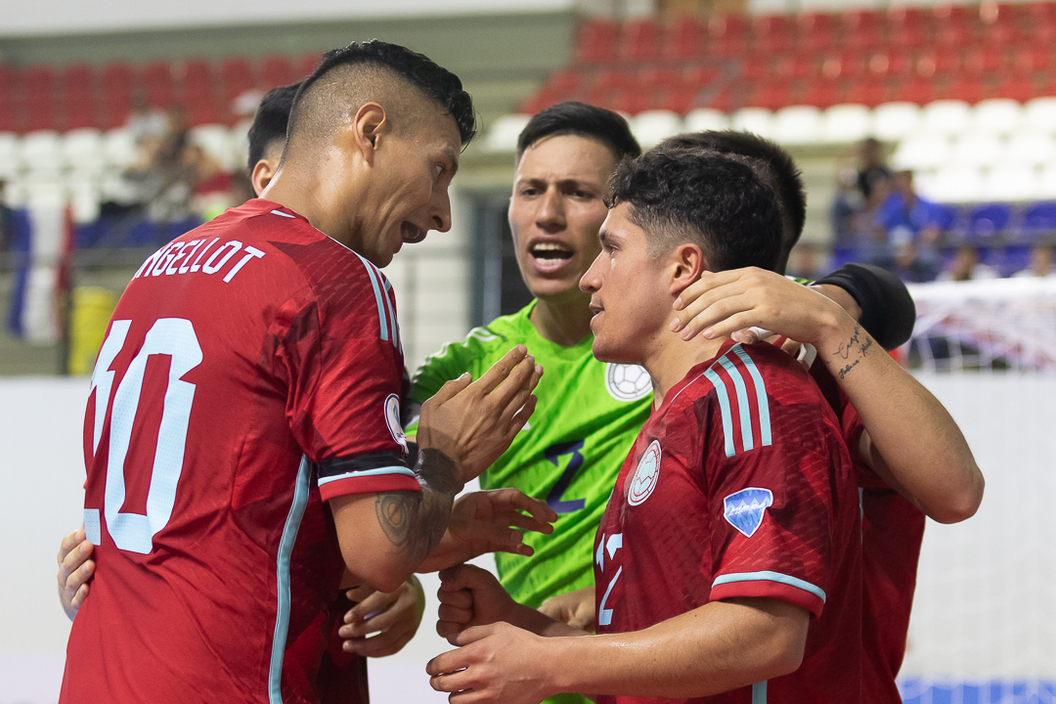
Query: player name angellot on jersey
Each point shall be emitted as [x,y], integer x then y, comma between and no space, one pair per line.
[201,255]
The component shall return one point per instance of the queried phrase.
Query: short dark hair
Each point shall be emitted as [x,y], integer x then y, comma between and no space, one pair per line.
[582,120]
[434,81]
[270,121]
[700,197]
[771,163]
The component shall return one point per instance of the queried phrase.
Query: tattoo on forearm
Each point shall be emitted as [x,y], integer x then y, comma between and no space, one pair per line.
[415,522]
[853,351]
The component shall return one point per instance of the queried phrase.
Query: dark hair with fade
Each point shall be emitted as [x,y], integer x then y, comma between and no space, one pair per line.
[581,120]
[782,173]
[270,121]
[434,81]
[704,198]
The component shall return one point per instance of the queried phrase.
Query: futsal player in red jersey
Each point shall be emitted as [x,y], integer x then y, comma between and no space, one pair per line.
[733,525]
[252,372]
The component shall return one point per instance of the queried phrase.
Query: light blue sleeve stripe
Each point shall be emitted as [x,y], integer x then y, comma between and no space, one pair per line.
[379,298]
[742,402]
[282,608]
[395,469]
[760,392]
[724,406]
[759,692]
[768,576]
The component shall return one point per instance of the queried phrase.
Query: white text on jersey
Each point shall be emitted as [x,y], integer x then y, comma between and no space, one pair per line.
[192,256]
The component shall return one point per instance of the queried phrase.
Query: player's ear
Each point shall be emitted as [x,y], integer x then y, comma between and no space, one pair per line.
[263,171]
[687,264]
[368,126]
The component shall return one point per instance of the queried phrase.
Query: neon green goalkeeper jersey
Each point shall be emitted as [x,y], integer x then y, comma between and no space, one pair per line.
[586,420]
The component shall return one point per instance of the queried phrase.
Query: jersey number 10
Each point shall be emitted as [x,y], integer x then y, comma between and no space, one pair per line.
[174,337]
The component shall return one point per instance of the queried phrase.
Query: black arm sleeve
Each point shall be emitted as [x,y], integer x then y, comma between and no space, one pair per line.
[888,311]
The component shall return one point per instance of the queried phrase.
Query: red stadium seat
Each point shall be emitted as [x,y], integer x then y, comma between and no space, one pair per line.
[237,77]
[822,93]
[799,66]
[895,62]
[909,27]
[197,80]
[770,95]
[755,67]
[639,40]
[39,114]
[727,35]
[38,82]
[771,33]
[862,28]
[817,31]
[1017,88]
[869,91]
[851,64]
[1032,58]
[118,79]
[916,90]
[983,59]
[685,38]
[596,41]
[277,71]
[204,112]
[967,88]
[79,97]
[158,84]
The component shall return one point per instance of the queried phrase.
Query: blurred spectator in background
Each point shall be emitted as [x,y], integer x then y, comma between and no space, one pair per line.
[145,124]
[912,226]
[211,190]
[806,262]
[1040,262]
[7,220]
[871,168]
[967,267]
[846,205]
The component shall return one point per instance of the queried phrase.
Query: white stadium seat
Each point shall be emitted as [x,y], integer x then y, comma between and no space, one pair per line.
[797,124]
[894,121]
[42,152]
[10,157]
[756,120]
[653,126]
[921,152]
[1012,183]
[119,147]
[502,137]
[1030,148]
[997,116]
[1040,114]
[215,140]
[956,185]
[704,119]
[845,123]
[948,117]
[1047,183]
[977,150]
[83,146]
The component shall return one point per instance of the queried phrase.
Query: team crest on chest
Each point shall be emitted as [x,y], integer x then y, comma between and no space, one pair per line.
[645,477]
[627,382]
[745,509]
[392,419]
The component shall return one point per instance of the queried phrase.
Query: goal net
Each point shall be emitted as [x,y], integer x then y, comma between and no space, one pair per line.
[984,615]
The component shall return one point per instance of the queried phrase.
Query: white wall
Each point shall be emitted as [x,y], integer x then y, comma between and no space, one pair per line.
[77,16]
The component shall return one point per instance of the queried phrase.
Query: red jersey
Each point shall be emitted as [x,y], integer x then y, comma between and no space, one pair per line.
[892,533]
[251,372]
[739,485]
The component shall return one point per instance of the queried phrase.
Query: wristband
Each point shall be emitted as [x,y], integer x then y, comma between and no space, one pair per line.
[888,311]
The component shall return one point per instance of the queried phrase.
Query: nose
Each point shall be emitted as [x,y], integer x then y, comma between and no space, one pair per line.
[440,211]
[551,215]
[591,281]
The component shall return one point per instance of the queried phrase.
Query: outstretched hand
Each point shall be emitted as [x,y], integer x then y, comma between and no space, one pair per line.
[474,422]
[382,622]
[75,570]
[489,521]
[730,303]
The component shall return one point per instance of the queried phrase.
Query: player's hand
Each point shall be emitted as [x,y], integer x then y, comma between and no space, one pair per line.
[474,422]
[470,596]
[489,521]
[393,619]
[576,608]
[498,663]
[729,303]
[75,570]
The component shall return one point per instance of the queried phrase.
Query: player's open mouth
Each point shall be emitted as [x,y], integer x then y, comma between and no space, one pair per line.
[550,255]
[412,234]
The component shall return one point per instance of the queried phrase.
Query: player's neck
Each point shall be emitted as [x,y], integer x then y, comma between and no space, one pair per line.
[564,321]
[301,193]
[670,358]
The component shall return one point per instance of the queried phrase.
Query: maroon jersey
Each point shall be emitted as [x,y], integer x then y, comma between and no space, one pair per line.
[251,371]
[739,485]
[892,533]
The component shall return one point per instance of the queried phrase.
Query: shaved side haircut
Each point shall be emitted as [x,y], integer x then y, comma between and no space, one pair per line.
[400,80]
[770,162]
[270,122]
